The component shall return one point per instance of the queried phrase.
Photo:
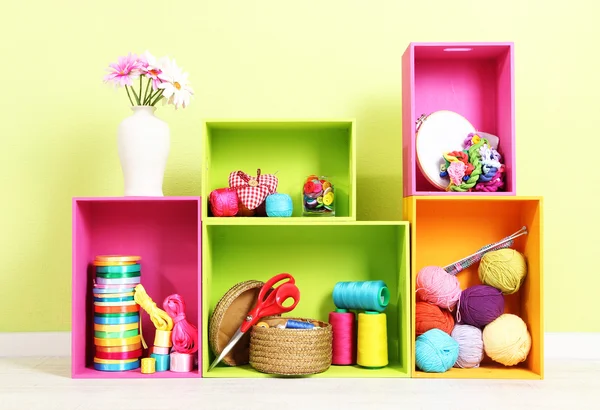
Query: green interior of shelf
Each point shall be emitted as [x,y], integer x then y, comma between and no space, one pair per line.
[318,256]
[290,150]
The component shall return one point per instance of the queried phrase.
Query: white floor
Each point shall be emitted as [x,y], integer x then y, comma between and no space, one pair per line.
[45,383]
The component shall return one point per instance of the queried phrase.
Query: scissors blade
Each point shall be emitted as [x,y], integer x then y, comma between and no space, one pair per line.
[236,338]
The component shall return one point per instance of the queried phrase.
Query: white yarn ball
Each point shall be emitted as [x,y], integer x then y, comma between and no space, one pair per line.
[470,346]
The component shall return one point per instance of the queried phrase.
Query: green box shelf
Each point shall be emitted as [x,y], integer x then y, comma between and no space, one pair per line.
[318,254]
[290,149]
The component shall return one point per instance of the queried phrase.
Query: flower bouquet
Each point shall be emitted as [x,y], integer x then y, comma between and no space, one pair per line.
[143,138]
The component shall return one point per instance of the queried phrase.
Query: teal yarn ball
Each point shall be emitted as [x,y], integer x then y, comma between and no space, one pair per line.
[436,351]
[279,205]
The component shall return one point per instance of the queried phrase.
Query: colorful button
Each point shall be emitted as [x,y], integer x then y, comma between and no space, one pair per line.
[328,199]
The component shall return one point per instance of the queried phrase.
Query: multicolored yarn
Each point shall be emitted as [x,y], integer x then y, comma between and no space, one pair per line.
[477,168]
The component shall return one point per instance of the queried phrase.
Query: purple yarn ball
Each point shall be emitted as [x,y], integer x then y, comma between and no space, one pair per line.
[479,305]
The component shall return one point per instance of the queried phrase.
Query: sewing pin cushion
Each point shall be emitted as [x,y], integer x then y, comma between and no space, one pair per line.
[228,316]
[252,191]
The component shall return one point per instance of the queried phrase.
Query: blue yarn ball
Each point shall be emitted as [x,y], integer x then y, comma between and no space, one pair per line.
[279,205]
[436,351]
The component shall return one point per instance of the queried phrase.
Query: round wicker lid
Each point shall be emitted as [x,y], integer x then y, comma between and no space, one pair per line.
[228,316]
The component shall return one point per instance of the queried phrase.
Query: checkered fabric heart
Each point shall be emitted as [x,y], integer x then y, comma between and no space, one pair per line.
[252,191]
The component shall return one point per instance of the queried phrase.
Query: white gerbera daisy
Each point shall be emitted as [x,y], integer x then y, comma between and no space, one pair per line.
[175,86]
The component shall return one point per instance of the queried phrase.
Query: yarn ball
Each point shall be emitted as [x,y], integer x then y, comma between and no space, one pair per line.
[504,269]
[506,340]
[479,305]
[436,351]
[470,346]
[279,205]
[224,202]
[435,285]
[429,316]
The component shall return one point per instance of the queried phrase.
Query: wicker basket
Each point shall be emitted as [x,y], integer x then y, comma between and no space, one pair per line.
[291,352]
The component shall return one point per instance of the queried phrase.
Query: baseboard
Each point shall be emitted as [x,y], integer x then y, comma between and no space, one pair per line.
[35,344]
[556,345]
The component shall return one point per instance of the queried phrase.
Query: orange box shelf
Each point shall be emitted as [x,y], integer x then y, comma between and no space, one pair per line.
[447,229]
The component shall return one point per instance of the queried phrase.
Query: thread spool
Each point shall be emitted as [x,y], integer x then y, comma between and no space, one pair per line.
[297,324]
[279,205]
[162,338]
[366,295]
[429,316]
[148,365]
[372,349]
[435,351]
[470,346]
[162,362]
[343,326]
[479,305]
[435,285]
[504,269]
[224,202]
[506,340]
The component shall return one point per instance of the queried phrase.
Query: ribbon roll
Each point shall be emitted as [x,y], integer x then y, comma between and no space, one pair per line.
[160,318]
[117,367]
[119,269]
[118,275]
[162,362]
[122,281]
[131,354]
[114,300]
[116,335]
[182,362]
[127,303]
[148,365]
[185,335]
[113,288]
[160,350]
[115,328]
[117,309]
[163,338]
[114,349]
[113,295]
[117,342]
[119,320]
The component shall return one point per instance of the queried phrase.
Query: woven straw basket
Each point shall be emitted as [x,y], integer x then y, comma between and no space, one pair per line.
[291,352]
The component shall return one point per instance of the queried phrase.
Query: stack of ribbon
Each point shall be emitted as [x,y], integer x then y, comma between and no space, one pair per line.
[163,324]
[116,314]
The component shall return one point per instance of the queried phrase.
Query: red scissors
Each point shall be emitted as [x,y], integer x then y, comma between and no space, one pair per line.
[270,302]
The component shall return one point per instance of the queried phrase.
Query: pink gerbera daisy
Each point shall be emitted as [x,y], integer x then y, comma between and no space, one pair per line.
[127,69]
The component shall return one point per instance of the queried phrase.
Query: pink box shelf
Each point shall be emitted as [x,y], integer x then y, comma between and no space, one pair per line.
[166,233]
[475,80]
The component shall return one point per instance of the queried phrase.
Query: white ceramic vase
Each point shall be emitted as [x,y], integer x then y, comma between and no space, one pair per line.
[144,142]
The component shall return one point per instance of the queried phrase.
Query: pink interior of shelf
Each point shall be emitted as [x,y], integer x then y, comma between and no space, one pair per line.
[164,233]
[474,81]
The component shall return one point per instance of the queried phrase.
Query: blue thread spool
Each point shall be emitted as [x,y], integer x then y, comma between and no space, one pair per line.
[371,295]
[163,362]
[296,324]
[279,205]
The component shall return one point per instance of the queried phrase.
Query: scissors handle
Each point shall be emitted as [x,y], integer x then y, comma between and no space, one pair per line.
[270,304]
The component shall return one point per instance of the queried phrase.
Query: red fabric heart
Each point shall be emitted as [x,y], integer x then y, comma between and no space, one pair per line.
[252,191]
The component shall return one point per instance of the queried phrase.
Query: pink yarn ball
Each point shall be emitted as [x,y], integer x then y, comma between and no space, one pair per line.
[435,285]
[224,202]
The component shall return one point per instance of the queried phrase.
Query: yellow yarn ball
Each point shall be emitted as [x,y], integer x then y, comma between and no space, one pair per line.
[504,269]
[506,340]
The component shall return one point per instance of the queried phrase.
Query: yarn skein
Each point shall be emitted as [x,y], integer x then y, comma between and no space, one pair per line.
[224,202]
[504,269]
[371,295]
[436,351]
[343,326]
[470,346]
[435,285]
[429,316]
[479,305]
[279,205]
[506,340]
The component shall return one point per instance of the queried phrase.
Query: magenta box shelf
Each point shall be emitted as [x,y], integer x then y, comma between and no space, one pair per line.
[475,80]
[166,233]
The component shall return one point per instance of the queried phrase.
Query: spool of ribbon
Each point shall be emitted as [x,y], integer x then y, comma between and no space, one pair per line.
[182,362]
[148,365]
[185,335]
[160,350]
[162,338]
[162,362]
[160,318]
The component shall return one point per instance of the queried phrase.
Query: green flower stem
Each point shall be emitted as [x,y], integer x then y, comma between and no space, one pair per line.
[135,95]
[146,93]
[158,97]
[141,79]
[129,95]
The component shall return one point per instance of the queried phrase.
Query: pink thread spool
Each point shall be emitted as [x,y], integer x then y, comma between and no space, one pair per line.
[224,202]
[343,326]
